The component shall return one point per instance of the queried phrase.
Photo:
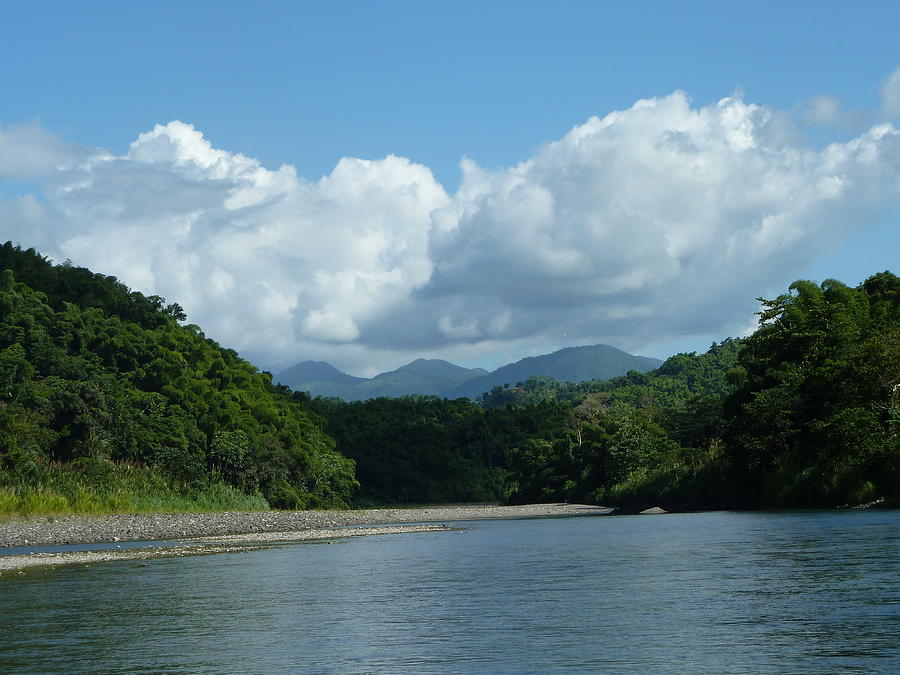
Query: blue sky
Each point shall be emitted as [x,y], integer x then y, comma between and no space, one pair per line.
[496,83]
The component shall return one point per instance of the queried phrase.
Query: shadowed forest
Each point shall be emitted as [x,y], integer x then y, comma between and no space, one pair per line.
[110,402]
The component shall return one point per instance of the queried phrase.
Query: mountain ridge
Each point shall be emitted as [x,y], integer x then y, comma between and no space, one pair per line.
[570,364]
[441,378]
[319,371]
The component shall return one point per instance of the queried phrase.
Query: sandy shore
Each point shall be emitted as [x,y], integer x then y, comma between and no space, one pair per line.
[235,531]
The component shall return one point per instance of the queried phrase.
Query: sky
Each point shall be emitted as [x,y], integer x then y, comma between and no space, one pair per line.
[367,183]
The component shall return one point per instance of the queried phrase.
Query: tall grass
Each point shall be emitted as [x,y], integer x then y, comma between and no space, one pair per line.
[100,487]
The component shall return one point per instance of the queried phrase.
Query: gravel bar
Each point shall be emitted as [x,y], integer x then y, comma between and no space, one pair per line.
[200,546]
[43,531]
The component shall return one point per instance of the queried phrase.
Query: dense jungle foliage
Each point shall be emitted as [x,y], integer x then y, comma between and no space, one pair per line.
[541,440]
[815,417]
[107,403]
[803,413]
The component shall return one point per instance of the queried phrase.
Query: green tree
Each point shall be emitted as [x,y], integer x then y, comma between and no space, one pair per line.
[810,423]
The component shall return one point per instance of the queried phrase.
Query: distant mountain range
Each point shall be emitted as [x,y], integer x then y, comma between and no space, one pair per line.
[444,379]
[422,376]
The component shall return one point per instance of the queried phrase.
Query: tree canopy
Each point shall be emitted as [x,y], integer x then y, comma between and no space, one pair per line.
[814,420]
[91,372]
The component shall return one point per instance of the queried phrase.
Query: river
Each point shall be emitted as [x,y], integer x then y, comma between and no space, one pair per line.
[787,592]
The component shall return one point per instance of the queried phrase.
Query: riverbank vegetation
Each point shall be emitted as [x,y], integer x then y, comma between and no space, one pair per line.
[108,402]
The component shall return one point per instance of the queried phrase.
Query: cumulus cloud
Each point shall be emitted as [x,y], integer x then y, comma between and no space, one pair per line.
[265,261]
[647,224]
[655,219]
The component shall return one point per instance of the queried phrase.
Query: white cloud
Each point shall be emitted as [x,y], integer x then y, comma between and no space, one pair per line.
[653,220]
[648,224]
[29,152]
[823,110]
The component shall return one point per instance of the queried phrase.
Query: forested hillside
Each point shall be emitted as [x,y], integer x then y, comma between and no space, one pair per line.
[541,441]
[430,450]
[107,403]
[803,413]
[677,380]
[573,364]
[815,419]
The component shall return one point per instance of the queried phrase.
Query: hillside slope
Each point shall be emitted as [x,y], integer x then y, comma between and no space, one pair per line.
[98,382]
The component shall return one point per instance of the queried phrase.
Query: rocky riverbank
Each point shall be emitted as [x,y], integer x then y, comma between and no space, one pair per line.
[208,533]
[168,526]
[199,546]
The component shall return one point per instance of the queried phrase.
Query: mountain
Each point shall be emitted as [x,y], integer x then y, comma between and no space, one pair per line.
[573,364]
[316,371]
[444,379]
[432,369]
[422,376]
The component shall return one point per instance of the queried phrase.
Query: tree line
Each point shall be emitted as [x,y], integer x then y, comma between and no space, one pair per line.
[805,412]
[107,397]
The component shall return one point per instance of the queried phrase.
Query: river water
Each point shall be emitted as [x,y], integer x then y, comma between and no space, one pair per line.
[810,592]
